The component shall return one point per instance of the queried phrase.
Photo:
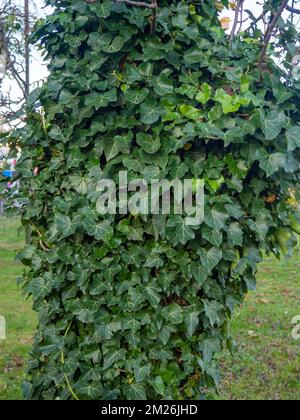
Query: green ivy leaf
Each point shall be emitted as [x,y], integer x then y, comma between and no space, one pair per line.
[150,111]
[272,123]
[272,162]
[148,143]
[39,288]
[135,392]
[211,346]
[191,112]
[199,273]
[205,94]
[212,309]
[216,217]
[88,389]
[213,236]
[141,373]
[136,96]
[159,386]
[293,138]
[183,232]
[152,294]
[103,9]
[84,309]
[211,258]
[64,226]
[192,322]
[163,85]
[235,234]
[114,46]
[113,357]
[173,314]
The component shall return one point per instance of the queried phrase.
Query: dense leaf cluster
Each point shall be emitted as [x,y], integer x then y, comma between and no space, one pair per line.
[137,307]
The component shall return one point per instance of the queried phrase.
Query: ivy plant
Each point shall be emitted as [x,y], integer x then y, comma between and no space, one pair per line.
[137,307]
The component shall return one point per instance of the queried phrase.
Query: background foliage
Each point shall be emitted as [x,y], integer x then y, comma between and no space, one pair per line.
[137,307]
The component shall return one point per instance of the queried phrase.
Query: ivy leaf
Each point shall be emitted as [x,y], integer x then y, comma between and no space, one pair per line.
[199,273]
[114,46]
[112,147]
[103,231]
[192,322]
[163,85]
[183,232]
[135,391]
[216,217]
[85,309]
[211,258]
[150,111]
[212,309]
[141,373]
[205,94]
[159,386]
[154,260]
[148,143]
[272,162]
[64,225]
[210,347]
[79,184]
[260,227]
[173,314]
[152,294]
[272,123]
[112,271]
[228,102]
[39,288]
[235,234]
[193,56]
[88,389]
[191,112]
[165,334]
[113,357]
[103,9]
[100,100]
[103,332]
[136,96]
[293,138]
[215,237]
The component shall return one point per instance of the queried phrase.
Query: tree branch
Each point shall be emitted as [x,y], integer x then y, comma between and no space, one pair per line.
[236,18]
[293,10]
[269,33]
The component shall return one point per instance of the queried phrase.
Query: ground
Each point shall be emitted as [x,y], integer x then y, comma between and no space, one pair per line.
[266,366]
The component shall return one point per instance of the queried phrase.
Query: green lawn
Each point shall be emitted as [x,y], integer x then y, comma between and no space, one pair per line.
[267,365]
[20,320]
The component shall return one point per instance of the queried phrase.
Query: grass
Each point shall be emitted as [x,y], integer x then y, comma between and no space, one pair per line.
[267,365]
[265,368]
[20,320]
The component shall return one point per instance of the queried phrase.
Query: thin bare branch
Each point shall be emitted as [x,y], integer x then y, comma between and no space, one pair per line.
[238,9]
[271,27]
[293,10]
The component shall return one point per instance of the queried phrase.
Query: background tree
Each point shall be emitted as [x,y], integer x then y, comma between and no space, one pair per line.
[15,22]
[136,307]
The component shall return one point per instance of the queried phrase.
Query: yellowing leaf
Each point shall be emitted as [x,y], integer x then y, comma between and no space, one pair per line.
[225,22]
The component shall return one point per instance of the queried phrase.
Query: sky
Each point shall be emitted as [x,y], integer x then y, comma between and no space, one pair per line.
[37,66]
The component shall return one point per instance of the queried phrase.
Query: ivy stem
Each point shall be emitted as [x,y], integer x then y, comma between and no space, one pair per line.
[63,362]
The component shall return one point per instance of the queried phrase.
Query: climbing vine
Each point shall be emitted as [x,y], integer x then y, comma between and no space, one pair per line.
[137,307]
